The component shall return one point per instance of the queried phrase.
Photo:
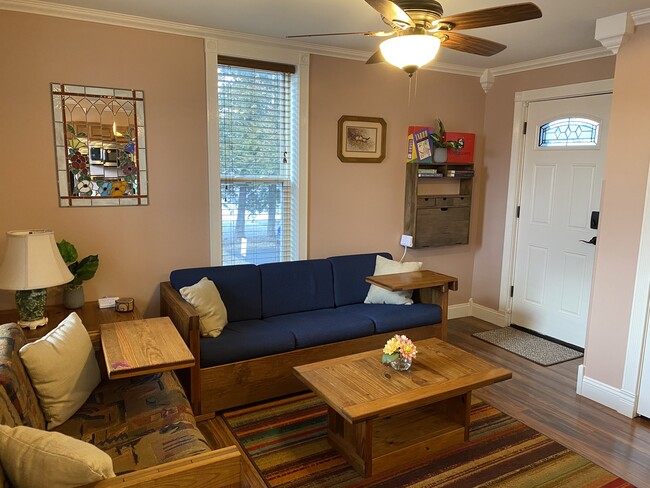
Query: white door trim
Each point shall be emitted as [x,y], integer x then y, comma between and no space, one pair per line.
[522,99]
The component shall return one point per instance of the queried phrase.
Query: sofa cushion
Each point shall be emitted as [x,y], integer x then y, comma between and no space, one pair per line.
[389,318]
[380,295]
[205,298]
[296,286]
[319,327]
[14,378]
[239,286]
[350,273]
[30,456]
[140,422]
[63,369]
[245,340]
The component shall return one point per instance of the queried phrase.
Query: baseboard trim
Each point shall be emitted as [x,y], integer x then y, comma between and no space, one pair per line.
[459,310]
[614,398]
[488,314]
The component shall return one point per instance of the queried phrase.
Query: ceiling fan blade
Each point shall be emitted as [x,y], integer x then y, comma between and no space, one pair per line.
[375,34]
[377,57]
[393,14]
[469,44]
[506,14]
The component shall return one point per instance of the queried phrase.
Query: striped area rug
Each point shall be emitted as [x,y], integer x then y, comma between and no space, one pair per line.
[286,441]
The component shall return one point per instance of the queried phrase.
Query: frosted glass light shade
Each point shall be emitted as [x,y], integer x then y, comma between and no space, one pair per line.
[410,50]
[32,261]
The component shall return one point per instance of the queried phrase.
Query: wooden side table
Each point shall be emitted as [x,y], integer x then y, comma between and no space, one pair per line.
[433,288]
[142,347]
[91,315]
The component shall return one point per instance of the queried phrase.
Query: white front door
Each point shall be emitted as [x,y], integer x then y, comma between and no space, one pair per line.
[562,177]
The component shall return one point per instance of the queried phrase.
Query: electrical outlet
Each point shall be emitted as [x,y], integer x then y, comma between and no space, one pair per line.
[406,241]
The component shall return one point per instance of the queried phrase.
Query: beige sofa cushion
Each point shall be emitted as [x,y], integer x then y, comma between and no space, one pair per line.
[35,458]
[205,298]
[63,369]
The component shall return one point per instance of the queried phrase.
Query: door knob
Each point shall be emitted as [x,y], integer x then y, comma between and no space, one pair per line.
[590,241]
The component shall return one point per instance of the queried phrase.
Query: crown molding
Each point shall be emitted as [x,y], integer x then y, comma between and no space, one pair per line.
[124,20]
[641,17]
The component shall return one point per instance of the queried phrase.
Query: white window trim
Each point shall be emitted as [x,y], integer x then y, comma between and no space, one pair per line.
[213,48]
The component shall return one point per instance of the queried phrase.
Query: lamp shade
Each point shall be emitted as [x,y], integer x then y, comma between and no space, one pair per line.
[32,261]
[414,50]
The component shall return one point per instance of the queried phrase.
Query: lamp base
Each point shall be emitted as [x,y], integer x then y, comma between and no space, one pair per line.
[31,307]
[34,323]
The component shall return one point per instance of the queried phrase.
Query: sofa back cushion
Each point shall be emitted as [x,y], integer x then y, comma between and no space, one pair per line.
[239,286]
[350,273]
[296,286]
[14,378]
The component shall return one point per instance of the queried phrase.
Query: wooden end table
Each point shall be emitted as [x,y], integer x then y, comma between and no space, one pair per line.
[142,347]
[380,419]
[433,288]
[91,315]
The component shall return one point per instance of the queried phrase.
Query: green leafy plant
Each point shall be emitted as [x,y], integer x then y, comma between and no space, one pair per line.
[82,270]
[439,139]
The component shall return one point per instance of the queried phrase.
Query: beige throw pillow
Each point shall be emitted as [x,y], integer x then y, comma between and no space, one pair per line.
[35,458]
[385,266]
[205,298]
[63,369]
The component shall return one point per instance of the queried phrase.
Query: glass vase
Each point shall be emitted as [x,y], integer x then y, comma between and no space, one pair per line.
[401,363]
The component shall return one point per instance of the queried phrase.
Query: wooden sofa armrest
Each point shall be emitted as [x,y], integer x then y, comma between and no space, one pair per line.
[216,469]
[186,321]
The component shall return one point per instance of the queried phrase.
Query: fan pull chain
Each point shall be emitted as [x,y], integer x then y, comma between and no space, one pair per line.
[410,80]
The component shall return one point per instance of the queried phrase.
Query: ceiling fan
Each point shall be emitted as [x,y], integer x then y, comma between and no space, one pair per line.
[419,29]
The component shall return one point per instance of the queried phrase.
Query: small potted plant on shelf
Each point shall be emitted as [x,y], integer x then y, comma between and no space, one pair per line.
[441,144]
[73,292]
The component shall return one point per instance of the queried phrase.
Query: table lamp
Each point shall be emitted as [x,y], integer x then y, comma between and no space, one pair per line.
[31,264]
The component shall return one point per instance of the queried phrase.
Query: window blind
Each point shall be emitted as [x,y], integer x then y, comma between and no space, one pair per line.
[258,164]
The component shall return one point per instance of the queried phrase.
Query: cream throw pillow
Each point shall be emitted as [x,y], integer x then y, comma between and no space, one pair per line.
[385,266]
[35,458]
[63,369]
[205,298]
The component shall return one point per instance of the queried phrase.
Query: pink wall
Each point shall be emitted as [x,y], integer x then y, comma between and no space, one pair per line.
[359,207]
[624,193]
[137,246]
[499,112]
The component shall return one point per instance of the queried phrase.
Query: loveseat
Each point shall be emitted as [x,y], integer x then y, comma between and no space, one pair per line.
[145,424]
[285,314]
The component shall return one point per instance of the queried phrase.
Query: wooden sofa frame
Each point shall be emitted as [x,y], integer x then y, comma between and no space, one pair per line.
[215,469]
[231,385]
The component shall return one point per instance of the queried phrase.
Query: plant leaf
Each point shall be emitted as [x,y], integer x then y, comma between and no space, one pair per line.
[70,129]
[87,267]
[389,358]
[68,252]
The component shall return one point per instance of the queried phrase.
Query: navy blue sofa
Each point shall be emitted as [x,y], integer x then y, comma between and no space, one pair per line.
[284,314]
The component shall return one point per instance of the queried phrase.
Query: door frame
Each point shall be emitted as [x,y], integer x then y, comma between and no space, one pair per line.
[522,101]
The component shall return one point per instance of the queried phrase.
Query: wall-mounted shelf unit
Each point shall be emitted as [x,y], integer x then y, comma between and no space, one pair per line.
[437,203]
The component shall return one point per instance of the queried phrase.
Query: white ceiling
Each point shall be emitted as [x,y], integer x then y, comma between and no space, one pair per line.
[566,26]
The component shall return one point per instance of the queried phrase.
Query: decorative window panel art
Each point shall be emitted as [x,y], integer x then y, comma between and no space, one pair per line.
[99,137]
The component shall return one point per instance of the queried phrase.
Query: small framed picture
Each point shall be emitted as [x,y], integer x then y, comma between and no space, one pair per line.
[361,139]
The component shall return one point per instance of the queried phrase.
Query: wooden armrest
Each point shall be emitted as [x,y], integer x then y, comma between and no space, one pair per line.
[215,469]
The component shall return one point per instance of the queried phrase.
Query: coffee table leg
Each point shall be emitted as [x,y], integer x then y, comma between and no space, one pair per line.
[352,441]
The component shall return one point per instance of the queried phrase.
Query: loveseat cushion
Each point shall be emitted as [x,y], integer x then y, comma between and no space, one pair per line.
[239,286]
[389,318]
[296,286]
[243,340]
[350,273]
[140,422]
[318,327]
[14,378]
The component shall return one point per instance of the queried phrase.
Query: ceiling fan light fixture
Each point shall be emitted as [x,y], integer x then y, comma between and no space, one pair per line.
[410,52]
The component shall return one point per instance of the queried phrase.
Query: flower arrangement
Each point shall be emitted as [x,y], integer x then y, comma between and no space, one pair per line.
[398,346]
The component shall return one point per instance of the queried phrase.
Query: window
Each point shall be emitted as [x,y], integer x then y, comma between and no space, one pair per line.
[258,142]
[570,131]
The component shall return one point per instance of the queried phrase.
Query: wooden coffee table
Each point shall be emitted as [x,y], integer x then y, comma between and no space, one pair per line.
[380,419]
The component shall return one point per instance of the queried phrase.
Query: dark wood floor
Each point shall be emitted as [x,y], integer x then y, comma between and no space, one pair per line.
[544,398]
